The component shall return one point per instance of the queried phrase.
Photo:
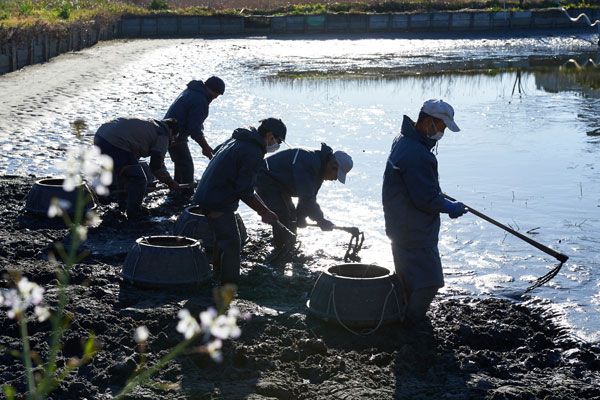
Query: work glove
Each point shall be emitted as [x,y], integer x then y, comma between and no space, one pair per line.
[269,217]
[454,209]
[325,225]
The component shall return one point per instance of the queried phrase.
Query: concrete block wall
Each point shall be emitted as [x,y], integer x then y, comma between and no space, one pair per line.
[186,26]
[19,53]
[16,55]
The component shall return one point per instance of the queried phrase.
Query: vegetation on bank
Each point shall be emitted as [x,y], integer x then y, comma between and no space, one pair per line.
[60,12]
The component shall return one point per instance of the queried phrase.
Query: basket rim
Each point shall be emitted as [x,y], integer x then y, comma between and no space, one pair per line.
[388,274]
[142,241]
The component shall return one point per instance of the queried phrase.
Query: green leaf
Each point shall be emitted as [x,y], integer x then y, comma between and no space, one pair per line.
[9,392]
[90,349]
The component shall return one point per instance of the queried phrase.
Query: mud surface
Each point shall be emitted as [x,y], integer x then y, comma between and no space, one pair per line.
[474,348]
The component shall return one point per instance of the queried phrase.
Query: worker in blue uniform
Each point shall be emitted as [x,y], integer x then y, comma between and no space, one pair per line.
[298,173]
[190,109]
[229,178]
[412,203]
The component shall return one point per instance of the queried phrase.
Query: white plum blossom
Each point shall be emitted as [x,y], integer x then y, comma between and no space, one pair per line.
[58,207]
[87,164]
[187,325]
[25,295]
[141,334]
[214,350]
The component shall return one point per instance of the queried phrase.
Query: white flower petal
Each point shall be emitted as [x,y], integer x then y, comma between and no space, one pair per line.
[42,313]
[82,232]
[141,334]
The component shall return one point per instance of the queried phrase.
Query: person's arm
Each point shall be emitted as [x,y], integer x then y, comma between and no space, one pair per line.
[306,178]
[308,207]
[256,203]
[196,117]
[207,151]
[158,168]
[248,163]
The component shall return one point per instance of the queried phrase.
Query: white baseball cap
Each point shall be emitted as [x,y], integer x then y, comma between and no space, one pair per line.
[345,164]
[440,109]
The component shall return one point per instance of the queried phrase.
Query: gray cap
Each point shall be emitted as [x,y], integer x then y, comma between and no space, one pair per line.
[345,164]
[441,110]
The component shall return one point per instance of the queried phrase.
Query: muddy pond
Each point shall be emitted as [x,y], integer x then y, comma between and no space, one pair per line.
[527,154]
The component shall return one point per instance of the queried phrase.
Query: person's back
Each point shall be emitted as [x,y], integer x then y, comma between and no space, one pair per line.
[190,109]
[229,176]
[299,172]
[135,135]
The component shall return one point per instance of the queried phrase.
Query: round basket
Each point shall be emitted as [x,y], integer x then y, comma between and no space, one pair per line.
[357,295]
[158,261]
[194,224]
[43,191]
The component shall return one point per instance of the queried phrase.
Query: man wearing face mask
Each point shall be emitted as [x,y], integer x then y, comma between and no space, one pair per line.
[412,203]
[229,178]
[298,173]
[190,109]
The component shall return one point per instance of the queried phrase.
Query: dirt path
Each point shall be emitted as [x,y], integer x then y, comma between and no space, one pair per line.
[474,348]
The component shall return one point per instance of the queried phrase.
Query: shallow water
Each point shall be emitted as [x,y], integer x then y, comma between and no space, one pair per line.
[525,160]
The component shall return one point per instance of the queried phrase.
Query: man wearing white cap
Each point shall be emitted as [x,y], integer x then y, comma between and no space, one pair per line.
[299,173]
[412,203]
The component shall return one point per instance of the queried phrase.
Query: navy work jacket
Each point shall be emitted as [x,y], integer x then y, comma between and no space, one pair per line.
[298,173]
[190,109]
[229,176]
[412,199]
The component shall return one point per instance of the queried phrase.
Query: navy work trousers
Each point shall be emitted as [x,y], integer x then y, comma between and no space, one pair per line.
[227,246]
[421,275]
[182,158]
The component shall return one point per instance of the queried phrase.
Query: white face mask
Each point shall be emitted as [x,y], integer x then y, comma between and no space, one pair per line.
[272,148]
[438,135]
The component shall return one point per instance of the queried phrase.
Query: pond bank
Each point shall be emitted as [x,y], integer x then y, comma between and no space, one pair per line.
[21,47]
[484,348]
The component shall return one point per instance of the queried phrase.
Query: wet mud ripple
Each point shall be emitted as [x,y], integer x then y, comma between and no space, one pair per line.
[474,348]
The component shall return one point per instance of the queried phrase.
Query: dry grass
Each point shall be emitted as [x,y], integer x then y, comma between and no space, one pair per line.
[60,12]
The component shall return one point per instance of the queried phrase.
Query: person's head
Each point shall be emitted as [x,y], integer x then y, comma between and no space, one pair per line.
[173,128]
[435,116]
[273,130]
[338,166]
[215,86]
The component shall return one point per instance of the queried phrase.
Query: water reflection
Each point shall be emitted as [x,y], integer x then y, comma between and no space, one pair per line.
[523,157]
